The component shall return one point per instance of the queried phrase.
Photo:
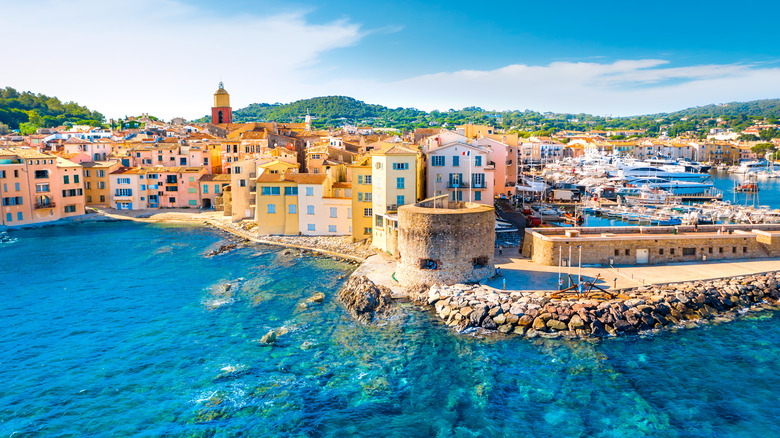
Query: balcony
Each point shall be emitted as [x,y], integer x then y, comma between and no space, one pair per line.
[39,206]
[457,185]
[252,175]
[392,207]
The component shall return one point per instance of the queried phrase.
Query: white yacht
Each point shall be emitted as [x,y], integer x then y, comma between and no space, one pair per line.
[643,171]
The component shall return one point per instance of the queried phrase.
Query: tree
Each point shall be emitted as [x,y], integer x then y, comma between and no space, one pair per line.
[762,148]
[747,137]
[768,134]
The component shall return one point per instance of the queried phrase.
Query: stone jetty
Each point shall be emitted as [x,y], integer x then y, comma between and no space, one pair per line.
[632,311]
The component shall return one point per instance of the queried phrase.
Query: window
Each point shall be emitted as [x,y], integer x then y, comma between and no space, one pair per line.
[237,169]
[310,209]
[360,179]
[379,221]
[70,209]
[661,251]
[628,252]
[41,188]
[8,217]
[399,183]
[205,189]
[170,179]
[102,198]
[310,227]
[400,200]
[429,264]
[478,179]
[331,228]
[333,212]
[182,161]
[349,213]
[89,199]
[124,192]
[171,188]
[87,185]
[367,230]
[292,209]
[270,191]
[367,196]
[16,187]
[689,251]
[242,183]
[477,196]
[478,160]
[143,186]
[367,179]
[193,202]
[437,161]
[456,160]
[66,179]
[290,191]
[101,185]
[400,166]
[192,179]
[123,180]
[368,212]
[172,200]
[19,216]
[76,179]
[216,188]
[378,165]
[309,191]
[271,208]
[101,173]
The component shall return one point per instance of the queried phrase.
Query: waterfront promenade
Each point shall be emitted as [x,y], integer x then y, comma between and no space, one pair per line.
[523,274]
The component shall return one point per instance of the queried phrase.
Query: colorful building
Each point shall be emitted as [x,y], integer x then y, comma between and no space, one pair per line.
[97,183]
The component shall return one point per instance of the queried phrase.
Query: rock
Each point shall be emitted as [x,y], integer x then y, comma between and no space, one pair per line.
[539,324]
[268,338]
[511,318]
[525,320]
[500,319]
[520,330]
[317,298]
[624,327]
[576,323]
[367,300]
[478,315]
[554,324]
[505,328]
[489,324]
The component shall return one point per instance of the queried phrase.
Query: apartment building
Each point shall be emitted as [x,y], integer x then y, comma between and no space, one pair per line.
[97,192]
[461,171]
[362,198]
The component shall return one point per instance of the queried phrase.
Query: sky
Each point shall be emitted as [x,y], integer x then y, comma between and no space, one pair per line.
[167,57]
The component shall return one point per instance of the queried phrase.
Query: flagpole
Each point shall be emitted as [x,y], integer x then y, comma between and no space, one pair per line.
[471,182]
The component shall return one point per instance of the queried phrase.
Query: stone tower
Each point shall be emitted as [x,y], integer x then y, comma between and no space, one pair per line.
[221,112]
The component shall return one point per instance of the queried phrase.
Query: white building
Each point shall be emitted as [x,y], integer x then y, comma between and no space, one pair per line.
[461,171]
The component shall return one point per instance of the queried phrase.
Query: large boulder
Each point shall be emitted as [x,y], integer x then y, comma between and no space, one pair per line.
[365,299]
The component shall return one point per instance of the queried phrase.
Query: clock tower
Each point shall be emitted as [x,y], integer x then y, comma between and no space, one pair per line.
[221,112]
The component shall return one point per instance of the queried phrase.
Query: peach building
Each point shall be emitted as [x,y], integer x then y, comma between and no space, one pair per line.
[38,188]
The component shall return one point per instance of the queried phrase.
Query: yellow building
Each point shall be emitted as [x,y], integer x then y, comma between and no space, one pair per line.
[395,182]
[276,211]
[476,131]
[97,192]
[278,166]
[362,196]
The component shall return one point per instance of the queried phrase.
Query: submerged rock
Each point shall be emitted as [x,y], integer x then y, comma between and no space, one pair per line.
[268,338]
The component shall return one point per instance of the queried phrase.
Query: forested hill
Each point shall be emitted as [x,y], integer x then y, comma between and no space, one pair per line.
[760,108]
[328,110]
[29,111]
[338,110]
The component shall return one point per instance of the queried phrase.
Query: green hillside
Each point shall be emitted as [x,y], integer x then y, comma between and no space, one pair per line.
[332,111]
[28,111]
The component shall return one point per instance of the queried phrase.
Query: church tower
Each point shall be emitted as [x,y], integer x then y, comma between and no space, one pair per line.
[221,112]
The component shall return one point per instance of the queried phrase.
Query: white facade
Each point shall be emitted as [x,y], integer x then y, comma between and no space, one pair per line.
[321,215]
[448,173]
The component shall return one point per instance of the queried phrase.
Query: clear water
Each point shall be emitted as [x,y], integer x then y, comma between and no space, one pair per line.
[117,330]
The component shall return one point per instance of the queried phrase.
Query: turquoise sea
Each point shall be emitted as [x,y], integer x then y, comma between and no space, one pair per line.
[122,329]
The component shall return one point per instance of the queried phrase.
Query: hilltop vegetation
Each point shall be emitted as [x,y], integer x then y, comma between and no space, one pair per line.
[28,111]
[333,111]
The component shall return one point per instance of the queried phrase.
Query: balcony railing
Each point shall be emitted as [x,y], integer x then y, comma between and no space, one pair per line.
[392,207]
[457,185]
[253,175]
[39,206]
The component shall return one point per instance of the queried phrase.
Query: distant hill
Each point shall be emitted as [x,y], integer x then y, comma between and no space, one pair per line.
[332,111]
[29,111]
[760,108]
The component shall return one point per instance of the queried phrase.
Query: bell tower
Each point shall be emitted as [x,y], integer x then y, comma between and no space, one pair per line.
[221,112]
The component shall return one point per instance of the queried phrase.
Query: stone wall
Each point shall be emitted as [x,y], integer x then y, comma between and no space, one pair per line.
[738,242]
[445,246]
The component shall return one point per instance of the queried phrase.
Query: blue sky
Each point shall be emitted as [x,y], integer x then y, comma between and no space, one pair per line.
[166,57]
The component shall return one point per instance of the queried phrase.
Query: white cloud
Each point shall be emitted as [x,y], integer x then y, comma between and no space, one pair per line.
[623,87]
[159,56]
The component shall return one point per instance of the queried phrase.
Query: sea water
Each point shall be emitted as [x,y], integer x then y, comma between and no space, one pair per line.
[125,329]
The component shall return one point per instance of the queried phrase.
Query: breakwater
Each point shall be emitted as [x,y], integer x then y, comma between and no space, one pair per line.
[632,311]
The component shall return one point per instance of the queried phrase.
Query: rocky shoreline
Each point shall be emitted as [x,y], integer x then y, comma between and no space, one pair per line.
[642,309]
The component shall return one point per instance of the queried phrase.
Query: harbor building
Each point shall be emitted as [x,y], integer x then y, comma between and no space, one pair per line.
[462,172]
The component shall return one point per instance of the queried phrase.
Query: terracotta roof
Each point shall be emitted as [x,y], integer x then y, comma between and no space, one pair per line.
[398,150]
[24,153]
[216,177]
[309,178]
[342,185]
[76,140]
[129,171]
[98,163]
